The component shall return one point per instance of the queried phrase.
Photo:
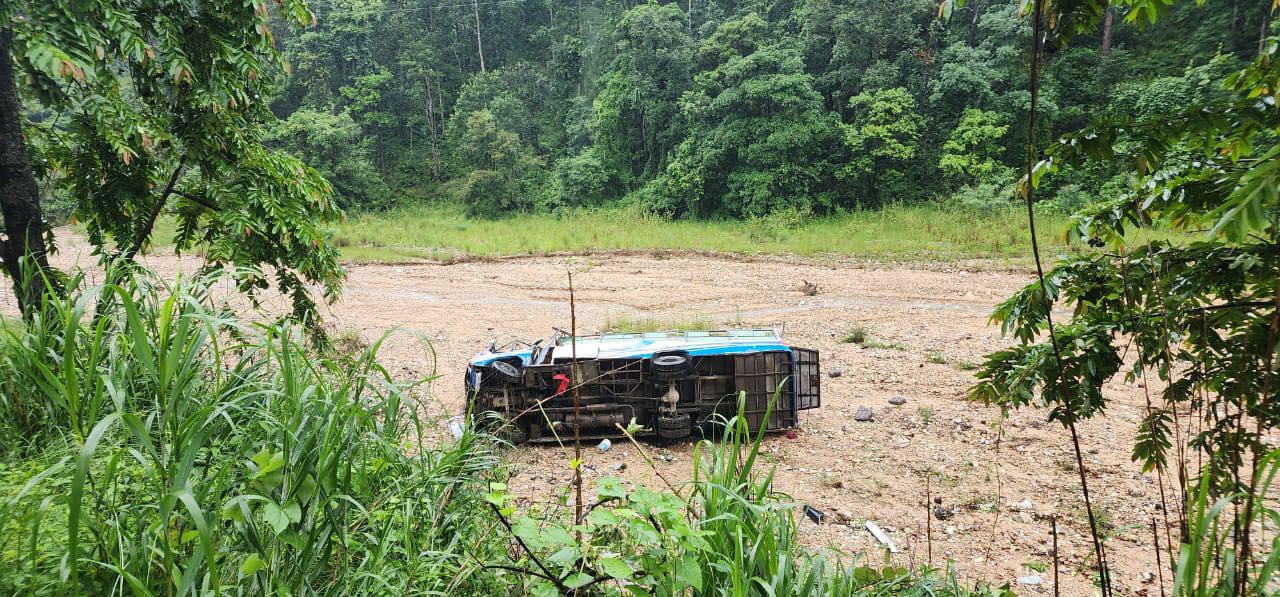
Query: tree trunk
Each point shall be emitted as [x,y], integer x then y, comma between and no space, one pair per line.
[1106,32]
[475,10]
[431,132]
[24,226]
[1267,7]
[973,23]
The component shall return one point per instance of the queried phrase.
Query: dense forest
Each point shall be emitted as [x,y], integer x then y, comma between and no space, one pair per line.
[718,109]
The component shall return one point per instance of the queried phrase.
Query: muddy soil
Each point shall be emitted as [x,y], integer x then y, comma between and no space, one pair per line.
[1005,478]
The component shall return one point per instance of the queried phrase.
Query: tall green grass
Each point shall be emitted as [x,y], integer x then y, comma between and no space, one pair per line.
[1208,560]
[909,233]
[169,448]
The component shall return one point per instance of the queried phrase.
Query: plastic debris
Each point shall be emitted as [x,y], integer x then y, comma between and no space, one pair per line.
[814,514]
[881,537]
[604,445]
[455,428]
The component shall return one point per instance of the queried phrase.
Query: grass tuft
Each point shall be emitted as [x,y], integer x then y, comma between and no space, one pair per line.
[626,324]
[855,335]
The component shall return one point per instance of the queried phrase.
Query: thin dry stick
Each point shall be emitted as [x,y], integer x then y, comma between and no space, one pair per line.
[928,520]
[648,459]
[1155,545]
[1029,189]
[995,512]
[1053,530]
[1146,392]
[1252,496]
[577,420]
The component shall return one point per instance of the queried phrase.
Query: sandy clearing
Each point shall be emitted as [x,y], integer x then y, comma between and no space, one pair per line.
[873,470]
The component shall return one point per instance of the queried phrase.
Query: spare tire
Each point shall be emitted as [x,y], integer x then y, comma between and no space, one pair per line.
[670,365]
[674,427]
[507,371]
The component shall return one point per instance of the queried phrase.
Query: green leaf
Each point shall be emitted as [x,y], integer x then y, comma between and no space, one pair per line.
[565,557]
[268,462]
[556,535]
[690,573]
[276,517]
[252,564]
[528,530]
[542,588]
[616,568]
[293,511]
[231,510]
[602,517]
[578,579]
[610,487]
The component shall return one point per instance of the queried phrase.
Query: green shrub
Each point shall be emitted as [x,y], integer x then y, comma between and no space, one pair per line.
[984,197]
[855,335]
[1068,200]
[775,226]
[580,180]
[490,194]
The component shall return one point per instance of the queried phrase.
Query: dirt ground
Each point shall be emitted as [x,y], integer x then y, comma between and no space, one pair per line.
[1005,478]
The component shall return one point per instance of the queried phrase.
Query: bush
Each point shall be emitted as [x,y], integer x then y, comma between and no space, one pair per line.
[1068,200]
[490,194]
[578,181]
[778,224]
[984,197]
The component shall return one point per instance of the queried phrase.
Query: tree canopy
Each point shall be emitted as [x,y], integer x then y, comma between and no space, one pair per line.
[137,108]
[671,99]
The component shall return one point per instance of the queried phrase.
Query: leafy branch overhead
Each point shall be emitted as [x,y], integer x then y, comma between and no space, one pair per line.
[139,108]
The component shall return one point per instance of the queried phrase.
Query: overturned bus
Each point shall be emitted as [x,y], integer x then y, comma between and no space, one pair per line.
[671,383]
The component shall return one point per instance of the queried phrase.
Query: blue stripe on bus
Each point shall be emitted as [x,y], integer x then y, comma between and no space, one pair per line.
[641,354]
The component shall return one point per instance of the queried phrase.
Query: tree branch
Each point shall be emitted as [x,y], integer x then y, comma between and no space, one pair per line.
[140,238]
[559,585]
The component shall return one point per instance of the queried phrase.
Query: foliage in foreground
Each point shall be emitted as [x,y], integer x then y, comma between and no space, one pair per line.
[1202,317]
[171,448]
[175,449]
[137,109]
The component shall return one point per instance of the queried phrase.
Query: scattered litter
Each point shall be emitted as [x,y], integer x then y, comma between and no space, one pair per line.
[1031,581]
[604,445]
[791,434]
[621,466]
[455,428]
[942,512]
[881,537]
[814,514]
